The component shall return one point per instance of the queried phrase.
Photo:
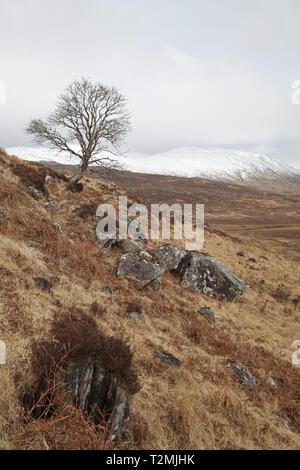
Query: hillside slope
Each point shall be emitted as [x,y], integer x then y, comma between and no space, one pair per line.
[229,165]
[51,274]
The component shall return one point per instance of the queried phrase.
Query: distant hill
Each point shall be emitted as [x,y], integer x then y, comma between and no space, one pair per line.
[246,168]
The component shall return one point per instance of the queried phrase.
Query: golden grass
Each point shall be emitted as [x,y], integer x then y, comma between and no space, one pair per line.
[199,406]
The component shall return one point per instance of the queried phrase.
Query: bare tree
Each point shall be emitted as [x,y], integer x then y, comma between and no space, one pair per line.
[89,114]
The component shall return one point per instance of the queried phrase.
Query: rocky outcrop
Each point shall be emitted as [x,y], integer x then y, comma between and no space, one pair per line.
[242,375]
[169,256]
[201,273]
[132,267]
[95,390]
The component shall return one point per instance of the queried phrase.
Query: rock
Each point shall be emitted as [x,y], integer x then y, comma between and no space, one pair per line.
[137,315]
[36,193]
[4,212]
[49,179]
[169,256]
[137,232]
[51,207]
[95,390]
[155,285]
[240,253]
[201,273]
[108,290]
[131,267]
[242,374]
[209,314]
[289,423]
[43,284]
[167,358]
[271,382]
[4,215]
[130,246]
[57,226]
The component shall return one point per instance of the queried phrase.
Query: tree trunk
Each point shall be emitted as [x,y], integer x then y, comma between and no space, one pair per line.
[82,169]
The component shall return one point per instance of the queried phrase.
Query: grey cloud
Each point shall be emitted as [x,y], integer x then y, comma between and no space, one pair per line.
[195,73]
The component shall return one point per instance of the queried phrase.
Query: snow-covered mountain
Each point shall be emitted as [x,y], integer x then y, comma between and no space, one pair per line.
[212,163]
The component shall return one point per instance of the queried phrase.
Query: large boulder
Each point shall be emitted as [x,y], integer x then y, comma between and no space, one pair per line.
[95,390]
[201,273]
[129,246]
[132,267]
[169,256]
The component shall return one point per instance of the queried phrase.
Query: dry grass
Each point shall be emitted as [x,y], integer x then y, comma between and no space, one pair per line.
[199,406]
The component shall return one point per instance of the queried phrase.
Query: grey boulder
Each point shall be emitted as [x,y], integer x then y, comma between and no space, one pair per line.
[129,246]
[170,256]
[95,390]
[201,273]
[132,267]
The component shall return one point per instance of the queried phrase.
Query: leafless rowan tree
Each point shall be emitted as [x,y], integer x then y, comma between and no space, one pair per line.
[91,115]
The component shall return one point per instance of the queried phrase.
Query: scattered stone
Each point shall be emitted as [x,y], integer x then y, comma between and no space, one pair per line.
[209,314]
[289,423]
[242,374]
[130,246]
[131,267]
[50,206]
[170,256]
[135,230]
[167,358]
[57,226]
[36,193]
[137,315]
[271,382]
[240,253]
[49,179]
[4,212]
[95,390]
[108,290]
[4,215]
[43,284]
[201,273]
[252,260]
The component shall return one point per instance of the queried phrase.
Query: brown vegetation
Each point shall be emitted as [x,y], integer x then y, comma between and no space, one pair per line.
[197,406]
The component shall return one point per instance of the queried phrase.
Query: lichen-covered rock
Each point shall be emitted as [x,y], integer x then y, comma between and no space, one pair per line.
[132,267]
[201,273]
[242,374]
[169,256]
[95,390]
[129,246]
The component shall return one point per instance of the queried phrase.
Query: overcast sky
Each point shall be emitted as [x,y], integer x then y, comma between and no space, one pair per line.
[195,72]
